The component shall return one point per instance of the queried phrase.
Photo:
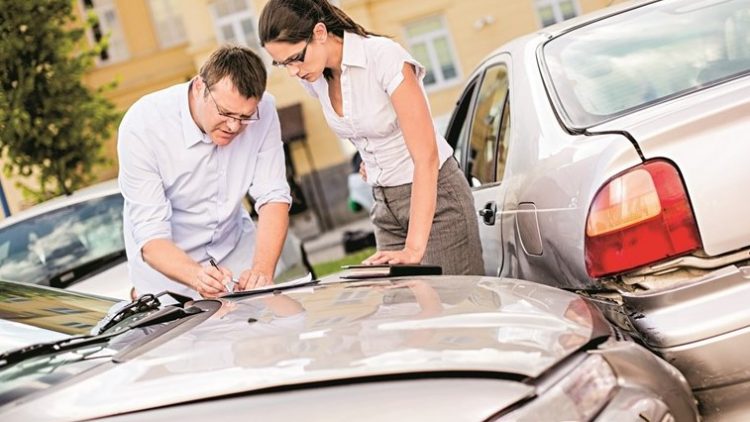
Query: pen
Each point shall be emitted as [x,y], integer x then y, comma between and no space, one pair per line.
[229,285]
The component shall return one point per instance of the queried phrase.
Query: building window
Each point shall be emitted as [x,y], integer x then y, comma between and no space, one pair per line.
[15,299]
[554,11]
[325,322]
[167,16]
[109,26]
[429,42]
[79,325]
[351,297]
[64,311]
[235,23]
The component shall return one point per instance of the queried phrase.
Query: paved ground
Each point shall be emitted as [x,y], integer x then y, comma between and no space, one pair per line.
[328,246]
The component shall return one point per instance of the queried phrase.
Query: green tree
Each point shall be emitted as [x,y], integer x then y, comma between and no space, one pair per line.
[52,127]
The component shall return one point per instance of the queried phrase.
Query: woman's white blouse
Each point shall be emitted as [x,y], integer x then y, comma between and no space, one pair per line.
[370,72]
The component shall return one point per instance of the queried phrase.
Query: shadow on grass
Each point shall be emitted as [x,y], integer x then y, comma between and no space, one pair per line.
[325,268]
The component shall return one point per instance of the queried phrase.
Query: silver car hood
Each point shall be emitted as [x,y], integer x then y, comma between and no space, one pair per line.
[705,135]
[14,335]
[112,282]
[342,331]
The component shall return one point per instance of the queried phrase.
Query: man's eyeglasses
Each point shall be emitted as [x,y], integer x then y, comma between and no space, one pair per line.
[297,58]
[243,120]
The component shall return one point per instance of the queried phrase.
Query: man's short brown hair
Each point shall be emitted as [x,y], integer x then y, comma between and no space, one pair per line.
[244,68]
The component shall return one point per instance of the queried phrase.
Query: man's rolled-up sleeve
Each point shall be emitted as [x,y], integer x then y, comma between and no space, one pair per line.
[146,206]
[269,180]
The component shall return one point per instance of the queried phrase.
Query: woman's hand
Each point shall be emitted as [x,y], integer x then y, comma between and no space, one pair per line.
[404,256]
[252,279]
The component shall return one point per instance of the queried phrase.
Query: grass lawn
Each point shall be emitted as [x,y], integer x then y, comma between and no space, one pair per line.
[325,268]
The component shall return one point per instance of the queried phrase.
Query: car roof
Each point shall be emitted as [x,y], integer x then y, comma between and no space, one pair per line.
[98,190]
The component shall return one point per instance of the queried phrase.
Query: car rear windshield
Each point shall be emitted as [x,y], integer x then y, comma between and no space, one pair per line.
[49,245]
[658,51]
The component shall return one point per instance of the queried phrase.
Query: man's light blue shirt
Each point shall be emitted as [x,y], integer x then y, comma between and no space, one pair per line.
[178,185]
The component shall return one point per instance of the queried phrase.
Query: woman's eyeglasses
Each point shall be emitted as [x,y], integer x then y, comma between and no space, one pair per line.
[297,58]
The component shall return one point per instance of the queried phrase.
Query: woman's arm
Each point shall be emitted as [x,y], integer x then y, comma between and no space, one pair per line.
[416,124]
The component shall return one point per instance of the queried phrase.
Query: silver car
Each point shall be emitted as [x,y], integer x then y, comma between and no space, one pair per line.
[412,349]
[77,242]
[606,156]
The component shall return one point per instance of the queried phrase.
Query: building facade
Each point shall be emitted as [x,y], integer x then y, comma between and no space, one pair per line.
[157,43]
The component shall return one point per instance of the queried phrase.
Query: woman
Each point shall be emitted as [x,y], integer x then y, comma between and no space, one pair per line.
[371,93]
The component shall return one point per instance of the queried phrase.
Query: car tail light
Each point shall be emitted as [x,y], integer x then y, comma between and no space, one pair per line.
[638,218]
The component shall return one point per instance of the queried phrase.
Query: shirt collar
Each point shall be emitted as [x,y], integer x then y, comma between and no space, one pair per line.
[354,50]
[191,133]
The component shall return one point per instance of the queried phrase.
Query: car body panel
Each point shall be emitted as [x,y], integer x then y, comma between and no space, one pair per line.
[703,134]
[490,234]
[688,309]
[106,283]
[14,335]
[626,360]
[705,348]
[107,275]
[95,191]
[555,171]
[409,400]
[344,331]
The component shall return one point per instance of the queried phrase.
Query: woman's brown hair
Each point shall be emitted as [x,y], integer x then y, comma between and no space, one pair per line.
[292,21]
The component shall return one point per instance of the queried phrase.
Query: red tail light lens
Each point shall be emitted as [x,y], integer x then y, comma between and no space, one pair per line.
[640,217]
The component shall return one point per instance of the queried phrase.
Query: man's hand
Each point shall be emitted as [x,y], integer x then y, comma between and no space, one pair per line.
[252,279]
[210,281]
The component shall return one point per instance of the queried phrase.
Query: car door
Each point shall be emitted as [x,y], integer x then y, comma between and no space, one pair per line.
[479,132]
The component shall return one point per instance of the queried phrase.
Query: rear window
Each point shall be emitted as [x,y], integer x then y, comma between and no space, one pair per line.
[658,51]
[49,245]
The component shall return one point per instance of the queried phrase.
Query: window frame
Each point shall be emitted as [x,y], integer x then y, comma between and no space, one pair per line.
[235,20]
[556,11]
[98,10]
[165,44]
[500,60]
[428,39]
[468,98]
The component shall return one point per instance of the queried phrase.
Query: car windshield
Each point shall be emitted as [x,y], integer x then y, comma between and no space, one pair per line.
[46,246]
[659,51]
[50,335]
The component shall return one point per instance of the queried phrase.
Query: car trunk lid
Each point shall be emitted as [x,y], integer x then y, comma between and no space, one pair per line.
[703,134]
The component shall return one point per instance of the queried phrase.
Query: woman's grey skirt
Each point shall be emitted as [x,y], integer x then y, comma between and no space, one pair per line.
[454,237]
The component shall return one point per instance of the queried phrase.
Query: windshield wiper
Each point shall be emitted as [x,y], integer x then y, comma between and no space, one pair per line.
[145,303]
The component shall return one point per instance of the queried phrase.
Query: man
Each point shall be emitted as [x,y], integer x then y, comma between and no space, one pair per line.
[188,155]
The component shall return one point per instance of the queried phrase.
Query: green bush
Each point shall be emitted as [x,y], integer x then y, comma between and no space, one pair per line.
[52,126]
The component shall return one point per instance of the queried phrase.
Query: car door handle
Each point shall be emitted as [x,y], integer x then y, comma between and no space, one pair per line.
[488,213]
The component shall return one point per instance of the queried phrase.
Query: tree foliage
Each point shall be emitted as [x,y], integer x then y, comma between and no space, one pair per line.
[52,127]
